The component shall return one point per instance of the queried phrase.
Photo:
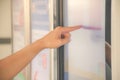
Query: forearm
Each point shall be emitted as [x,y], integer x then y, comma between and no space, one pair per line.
[11,65]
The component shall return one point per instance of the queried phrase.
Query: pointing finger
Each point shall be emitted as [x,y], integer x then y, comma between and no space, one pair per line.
[72,28]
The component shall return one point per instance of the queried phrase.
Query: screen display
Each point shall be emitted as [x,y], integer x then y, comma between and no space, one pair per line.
[85,54]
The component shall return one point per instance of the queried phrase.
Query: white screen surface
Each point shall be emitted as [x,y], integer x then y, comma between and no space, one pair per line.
[85,54]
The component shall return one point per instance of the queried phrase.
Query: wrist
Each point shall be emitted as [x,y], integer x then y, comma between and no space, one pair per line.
[37,46]
[41,44]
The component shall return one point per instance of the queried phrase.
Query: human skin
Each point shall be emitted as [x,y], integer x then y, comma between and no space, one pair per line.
[13,64]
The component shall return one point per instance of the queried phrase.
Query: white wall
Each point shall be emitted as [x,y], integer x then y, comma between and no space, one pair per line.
[5,26]
[116,39]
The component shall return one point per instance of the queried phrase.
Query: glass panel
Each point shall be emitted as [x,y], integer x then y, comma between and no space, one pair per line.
[85,54]
[18,32]
[40,67]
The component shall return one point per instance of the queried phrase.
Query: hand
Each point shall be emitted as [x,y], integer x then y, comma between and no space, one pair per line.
[58,37]
[13,64]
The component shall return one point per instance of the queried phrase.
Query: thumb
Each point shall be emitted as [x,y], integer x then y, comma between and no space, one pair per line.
[66,38]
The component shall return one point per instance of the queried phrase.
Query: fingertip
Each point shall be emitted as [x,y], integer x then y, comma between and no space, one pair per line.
[75,28]
[78,26]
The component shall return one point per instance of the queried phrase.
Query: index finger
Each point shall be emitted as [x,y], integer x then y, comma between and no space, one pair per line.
[72,28]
